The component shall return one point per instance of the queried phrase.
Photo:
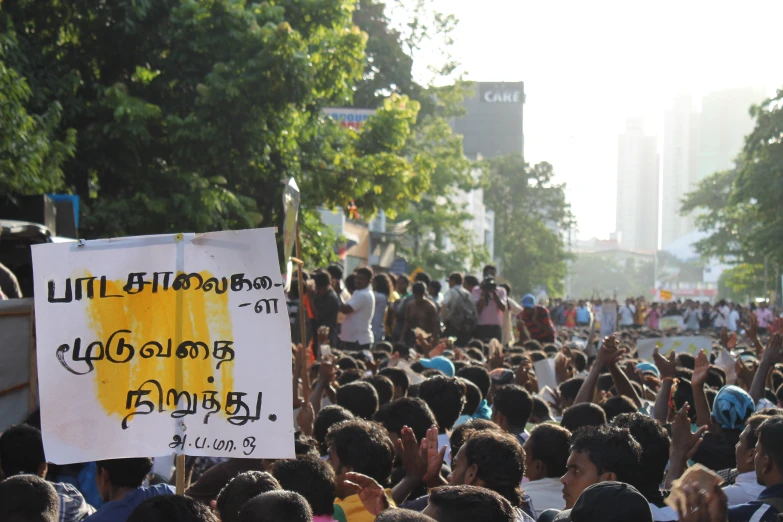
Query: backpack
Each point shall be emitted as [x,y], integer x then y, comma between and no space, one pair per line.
[463,317]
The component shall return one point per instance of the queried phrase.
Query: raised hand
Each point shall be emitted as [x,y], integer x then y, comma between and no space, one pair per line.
[326,371]
[684,442]
[563,368]
[609,353]
[305,418]
[701,371]
[666,365]
[774,352]
[371,493]
[429,448]
[414,463]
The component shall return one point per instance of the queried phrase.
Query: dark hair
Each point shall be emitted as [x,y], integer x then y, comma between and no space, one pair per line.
[488,268]
[446,397]
[476,353]
[654,441]
[570,388]
[276,506]
[536,356]
[172,508]
[470,280]
[531,345]
[382,284]
[28,498]
[550,444]
[402,515]
[515,404]
[472,397]
[350,283]
[605,382]
[581,415]
[422,277]
[683,393]
[460,433]
[310,477]
[435,287]
[716,378]
[326,418]
[349,376]
[580,359]
[398,377]
[304,445]
[500,462]
[479,376]
[470,503]
[322,280]
[360,398]
[383,387]
[242,488]
[540,409]
[347,362]
[21,450]
[610,449]
[506,287]
[335,271]
[126,473]
[779,394]
[363,446]
[685,360]
[770,439]
[411,412]
[614,406]
[419,289]
[456,278]
[405,278]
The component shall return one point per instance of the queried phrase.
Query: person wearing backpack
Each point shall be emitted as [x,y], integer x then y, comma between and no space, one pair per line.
[458,311]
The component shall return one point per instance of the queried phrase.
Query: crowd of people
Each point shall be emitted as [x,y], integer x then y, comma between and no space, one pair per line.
[427,405]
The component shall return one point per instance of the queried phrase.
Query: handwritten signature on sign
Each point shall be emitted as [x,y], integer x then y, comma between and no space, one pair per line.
[227,445]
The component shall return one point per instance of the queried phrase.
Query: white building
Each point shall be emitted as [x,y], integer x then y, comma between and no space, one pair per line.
[637,187]
[681,151]
[482,222]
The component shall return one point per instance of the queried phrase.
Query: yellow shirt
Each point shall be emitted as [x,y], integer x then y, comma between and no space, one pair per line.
[351,509]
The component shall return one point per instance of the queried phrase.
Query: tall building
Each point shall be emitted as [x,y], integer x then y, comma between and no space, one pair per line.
[725,121]
[681,134]
[492,124]
[637,188]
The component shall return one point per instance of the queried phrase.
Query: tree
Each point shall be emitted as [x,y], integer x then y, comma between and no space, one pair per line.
[30,153]
[531,215]
[190,114]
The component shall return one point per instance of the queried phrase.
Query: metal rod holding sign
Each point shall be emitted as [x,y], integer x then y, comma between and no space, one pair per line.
[302,319]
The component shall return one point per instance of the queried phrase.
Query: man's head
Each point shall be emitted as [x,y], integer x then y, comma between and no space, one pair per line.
[242,488]
[21,451]
[455,279]
[511,408]
[469,282]
[116,475]
[581,415]
[384,387]
[322,282]
[419,290]
[541,411]
[446,397]
[335,272]
[468,504]
[434,288]
[745,449]
[407,411]
[27,498]
[654,441]
[276,506]
[492,460]
[402,515]
[328,417]
[172,508]
[479,376]
[462,432]
[363,278]
[529,301]
[310,477]
[546,452]
[402,284]
[490,271]
[569,389]
[400,380]
[769,452]
[599,454]
[362,447]
[614,406]
[611,502]
[360,398]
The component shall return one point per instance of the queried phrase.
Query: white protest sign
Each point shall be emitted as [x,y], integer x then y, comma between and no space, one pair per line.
[665,345]
[672,321]
[608,319]
[291,198]
[160,344]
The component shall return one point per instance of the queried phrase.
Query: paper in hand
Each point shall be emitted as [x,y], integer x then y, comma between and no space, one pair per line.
[696,473]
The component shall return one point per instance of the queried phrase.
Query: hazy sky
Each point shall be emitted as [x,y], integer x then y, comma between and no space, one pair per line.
[587,66]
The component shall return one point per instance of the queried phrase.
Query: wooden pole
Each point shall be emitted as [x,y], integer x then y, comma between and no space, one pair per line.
[302,319]
[179,463]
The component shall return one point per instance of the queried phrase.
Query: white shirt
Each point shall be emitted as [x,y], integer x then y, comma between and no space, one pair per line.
[626,315]
[451,297]
[443,441]
[546,493]
[663,514]
[513,309]
[744,489]
[357,326]
[733,322]
[721,316]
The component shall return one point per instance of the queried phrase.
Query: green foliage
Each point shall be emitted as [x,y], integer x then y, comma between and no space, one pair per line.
[743,282]
[190,114]
[602,275]
[531,215]
[31,155]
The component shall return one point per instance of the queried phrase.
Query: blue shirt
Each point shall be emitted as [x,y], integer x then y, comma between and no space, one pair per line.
[582,315]
[757,511]
[120,510]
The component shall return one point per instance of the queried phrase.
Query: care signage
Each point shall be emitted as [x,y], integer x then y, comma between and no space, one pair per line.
[502,92]
[692,345]
[155,345]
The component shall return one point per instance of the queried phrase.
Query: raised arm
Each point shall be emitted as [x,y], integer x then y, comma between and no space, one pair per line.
[699,377]
[668,369]
[608,354]
[623,384]
[771,356]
